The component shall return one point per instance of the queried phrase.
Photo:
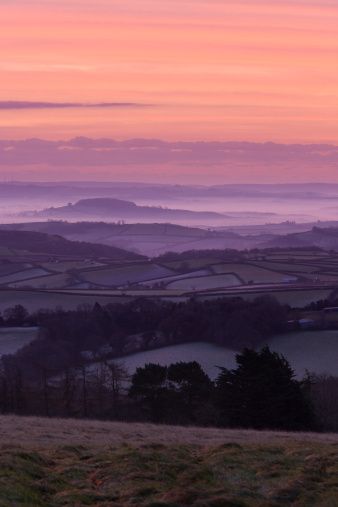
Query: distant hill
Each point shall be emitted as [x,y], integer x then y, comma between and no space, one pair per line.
[326,238]
[38,242]
[118,209]
[153,239]
[147,238]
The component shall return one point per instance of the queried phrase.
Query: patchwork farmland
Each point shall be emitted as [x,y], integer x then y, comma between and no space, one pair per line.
[294,277]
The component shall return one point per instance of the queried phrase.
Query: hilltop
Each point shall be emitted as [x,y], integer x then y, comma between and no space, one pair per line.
[112,208]
[103,464]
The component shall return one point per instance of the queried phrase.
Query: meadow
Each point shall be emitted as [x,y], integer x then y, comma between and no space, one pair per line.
[14,338]
[68,463]
[313,351]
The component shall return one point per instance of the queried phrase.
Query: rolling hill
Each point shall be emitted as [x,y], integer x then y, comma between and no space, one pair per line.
[149,239]
[326,238]
[42,243]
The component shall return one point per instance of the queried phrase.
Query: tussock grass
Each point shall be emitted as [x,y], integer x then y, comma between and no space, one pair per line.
[106,464]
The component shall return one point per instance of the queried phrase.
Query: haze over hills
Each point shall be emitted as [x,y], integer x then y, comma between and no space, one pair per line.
[117,209]
[155,238]
[238,204]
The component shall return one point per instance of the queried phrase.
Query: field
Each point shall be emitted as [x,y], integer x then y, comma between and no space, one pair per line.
[205,282]
[14,338]
[210,356]
[123,275]
[34,300]
[296,298]
[251,273]
[22,275]
[67,463]
[314,351]
[58,281]
[294,277]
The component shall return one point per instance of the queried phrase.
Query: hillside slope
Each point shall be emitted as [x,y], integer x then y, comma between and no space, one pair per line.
[38,242]
[149,239]
[326,238]
[104,464]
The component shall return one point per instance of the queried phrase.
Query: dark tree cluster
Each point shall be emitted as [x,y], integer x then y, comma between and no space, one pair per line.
[261,393]
[142,324]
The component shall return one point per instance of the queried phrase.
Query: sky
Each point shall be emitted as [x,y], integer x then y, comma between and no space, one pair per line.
[177,70]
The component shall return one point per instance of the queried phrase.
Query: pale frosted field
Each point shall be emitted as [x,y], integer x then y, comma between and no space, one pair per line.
[315,351]
[210,356]
[14,338]
[206,282]
[23,275]
[39,432]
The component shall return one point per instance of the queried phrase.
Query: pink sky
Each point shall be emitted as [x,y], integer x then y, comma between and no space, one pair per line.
[206,70]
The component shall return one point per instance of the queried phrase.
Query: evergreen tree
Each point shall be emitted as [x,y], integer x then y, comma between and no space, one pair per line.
[262,392]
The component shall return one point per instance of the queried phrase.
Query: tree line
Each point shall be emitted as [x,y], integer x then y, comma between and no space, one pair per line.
[118,329]
[261,392]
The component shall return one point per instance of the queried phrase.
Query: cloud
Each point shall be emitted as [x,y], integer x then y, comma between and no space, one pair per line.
[15,104]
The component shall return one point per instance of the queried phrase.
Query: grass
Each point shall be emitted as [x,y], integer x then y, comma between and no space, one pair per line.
[147,466]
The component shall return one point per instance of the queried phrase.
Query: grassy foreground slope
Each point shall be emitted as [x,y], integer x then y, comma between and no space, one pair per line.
[78,463]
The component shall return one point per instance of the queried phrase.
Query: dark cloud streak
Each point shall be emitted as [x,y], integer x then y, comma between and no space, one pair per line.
[15,105]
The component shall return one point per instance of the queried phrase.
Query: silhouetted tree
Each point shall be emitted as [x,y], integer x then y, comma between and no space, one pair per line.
[148,386]
[262,393]
[16,316]
[192,387]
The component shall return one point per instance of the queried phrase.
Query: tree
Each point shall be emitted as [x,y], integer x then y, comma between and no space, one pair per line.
[262,392]
[149,387]
[192,386]
[16,316]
